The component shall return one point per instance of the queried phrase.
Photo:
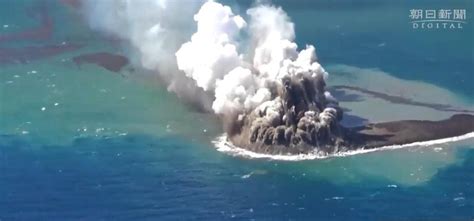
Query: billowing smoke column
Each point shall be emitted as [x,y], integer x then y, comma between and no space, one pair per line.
[273,95]
[270,95]
[154,30]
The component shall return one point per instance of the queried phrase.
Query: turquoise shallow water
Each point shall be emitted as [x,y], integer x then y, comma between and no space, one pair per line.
[111,146]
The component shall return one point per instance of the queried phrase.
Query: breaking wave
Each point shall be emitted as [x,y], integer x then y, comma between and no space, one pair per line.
[222,144]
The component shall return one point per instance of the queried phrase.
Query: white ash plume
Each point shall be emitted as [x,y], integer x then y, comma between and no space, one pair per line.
[267,91]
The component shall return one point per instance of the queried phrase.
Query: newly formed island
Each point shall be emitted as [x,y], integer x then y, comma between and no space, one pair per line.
[303,119]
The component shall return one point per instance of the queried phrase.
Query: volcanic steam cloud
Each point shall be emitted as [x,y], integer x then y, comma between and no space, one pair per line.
[269,93]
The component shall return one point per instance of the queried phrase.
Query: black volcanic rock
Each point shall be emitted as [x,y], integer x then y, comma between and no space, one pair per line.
[409,131]
[303,119]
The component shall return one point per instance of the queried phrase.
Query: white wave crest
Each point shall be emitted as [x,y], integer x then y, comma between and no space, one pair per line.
[223,145]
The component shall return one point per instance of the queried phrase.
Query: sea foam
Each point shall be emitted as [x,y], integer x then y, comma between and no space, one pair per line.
[223,145]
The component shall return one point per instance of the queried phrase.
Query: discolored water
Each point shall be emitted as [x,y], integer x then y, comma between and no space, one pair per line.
[83,143]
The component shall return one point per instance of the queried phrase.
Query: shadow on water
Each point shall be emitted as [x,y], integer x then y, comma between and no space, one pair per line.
[143,177]
[343,96]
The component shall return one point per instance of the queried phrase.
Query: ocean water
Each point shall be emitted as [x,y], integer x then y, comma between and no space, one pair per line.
[83,143]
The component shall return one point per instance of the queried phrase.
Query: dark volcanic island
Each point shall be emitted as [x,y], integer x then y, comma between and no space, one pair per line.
[302,118]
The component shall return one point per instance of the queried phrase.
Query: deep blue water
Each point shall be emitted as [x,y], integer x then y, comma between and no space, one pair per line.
[167,179]
[377,34]
[138,176]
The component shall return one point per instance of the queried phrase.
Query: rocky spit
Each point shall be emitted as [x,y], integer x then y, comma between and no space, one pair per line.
[302,118]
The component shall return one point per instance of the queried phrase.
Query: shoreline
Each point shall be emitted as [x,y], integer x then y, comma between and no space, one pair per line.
[373,136]
[222,144]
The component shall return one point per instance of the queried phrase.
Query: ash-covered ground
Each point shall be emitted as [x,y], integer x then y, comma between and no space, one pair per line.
[303,118]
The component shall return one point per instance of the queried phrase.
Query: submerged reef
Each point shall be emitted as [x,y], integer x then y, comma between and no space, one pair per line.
[270,94]
[109,61]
